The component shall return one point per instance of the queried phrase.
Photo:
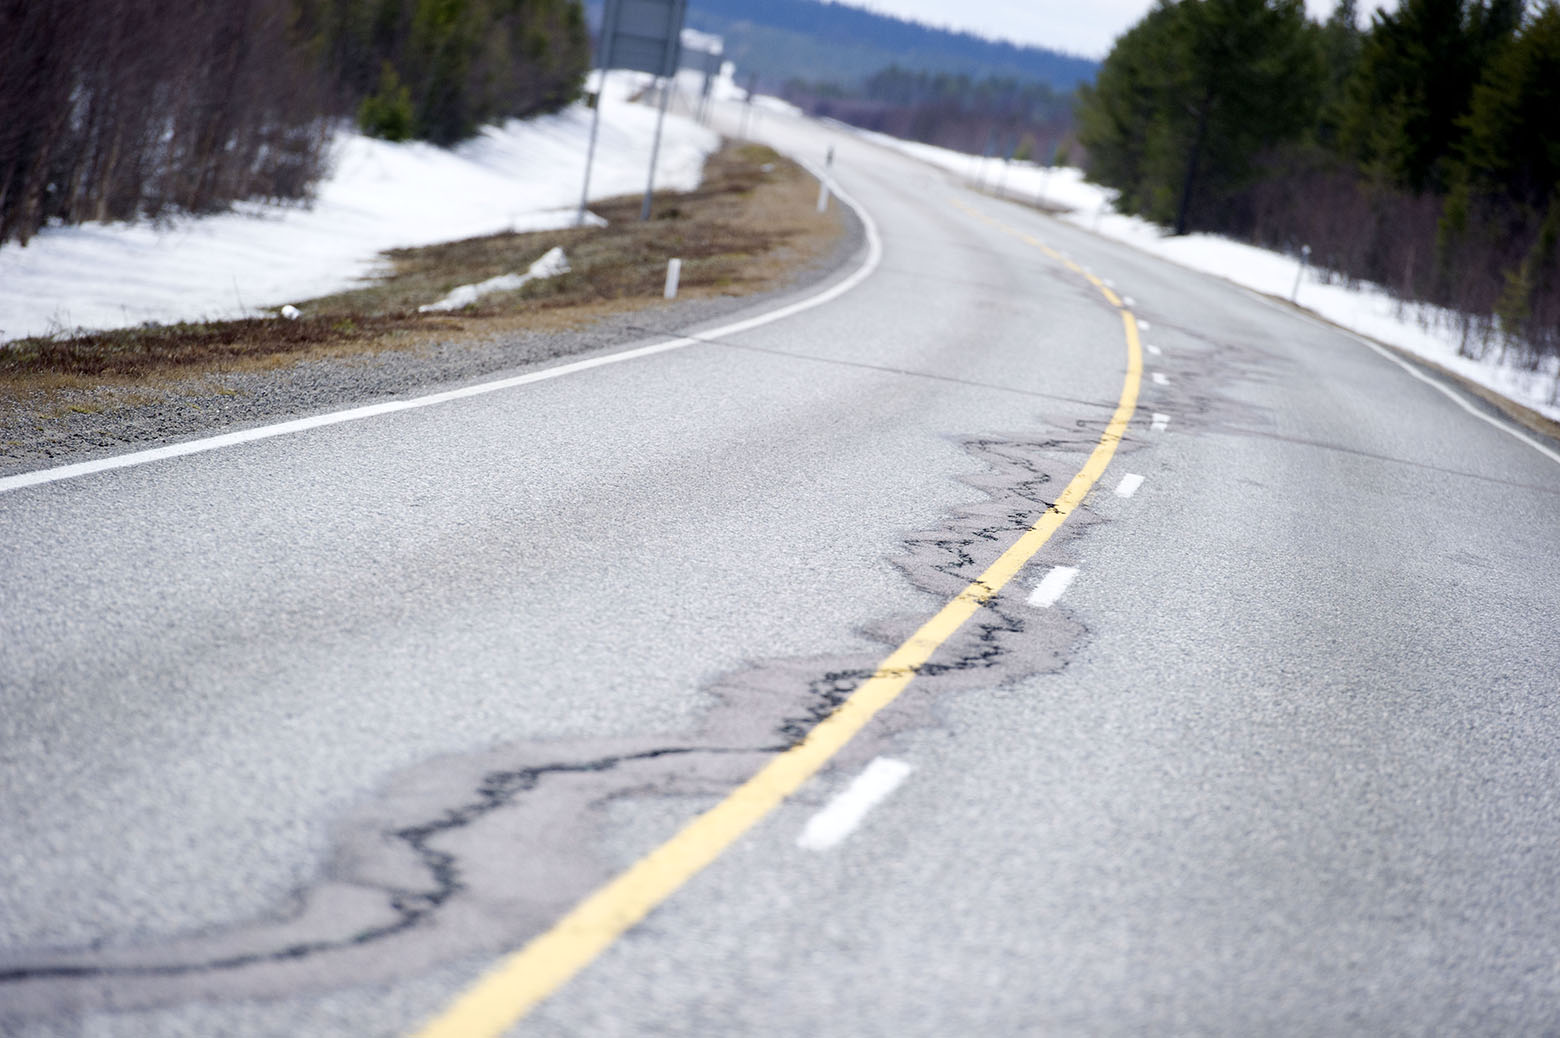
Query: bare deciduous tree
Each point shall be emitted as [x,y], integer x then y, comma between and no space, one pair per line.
[123,108]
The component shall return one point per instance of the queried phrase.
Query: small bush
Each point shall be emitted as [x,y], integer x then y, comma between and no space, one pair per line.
[387,112]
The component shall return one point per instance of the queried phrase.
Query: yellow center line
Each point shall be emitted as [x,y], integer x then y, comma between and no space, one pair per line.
[519,981]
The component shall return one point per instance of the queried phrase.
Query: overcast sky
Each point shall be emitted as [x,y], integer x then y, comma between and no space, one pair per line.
[1085,27]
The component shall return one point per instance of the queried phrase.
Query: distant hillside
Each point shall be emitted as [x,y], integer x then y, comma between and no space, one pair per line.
[784,40]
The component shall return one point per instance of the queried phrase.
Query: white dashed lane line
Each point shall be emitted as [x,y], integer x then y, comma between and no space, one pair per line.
[1129,484]
[840,816]
[1161,379]
[1050,588]
[1161,422]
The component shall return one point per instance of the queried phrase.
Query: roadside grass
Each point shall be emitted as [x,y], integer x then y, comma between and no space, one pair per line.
[747,228]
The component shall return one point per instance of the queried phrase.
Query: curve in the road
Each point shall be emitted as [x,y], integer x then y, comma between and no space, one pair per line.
[869,263]
[520,981]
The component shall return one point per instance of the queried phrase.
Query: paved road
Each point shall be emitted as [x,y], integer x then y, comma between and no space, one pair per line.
[301,736]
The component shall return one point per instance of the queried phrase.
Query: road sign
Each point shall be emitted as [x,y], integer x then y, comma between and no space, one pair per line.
[642,35]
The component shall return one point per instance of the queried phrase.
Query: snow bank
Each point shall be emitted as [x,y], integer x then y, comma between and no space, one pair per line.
[1426,331]
[519,176]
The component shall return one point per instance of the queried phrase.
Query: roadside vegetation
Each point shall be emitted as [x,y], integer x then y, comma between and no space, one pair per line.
[1003,117]
[127,109]
[436,70]
[1421,153]
[751,226]
[901,77]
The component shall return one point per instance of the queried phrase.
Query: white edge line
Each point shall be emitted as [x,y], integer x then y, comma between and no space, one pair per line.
[264,432]
[1052,586]
[1311,316]
[1129,484]
[1453,395]
[840,816]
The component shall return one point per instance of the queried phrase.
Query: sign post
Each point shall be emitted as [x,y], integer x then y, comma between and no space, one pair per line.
[608,25]
[747,109]
[712,64]
[702,53]
[644,36]
[655,148]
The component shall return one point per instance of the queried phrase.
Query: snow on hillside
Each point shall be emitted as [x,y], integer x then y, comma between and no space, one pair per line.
[1425,331]
[521,176]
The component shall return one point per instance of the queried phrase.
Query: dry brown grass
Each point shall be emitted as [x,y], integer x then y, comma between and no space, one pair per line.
[749,227]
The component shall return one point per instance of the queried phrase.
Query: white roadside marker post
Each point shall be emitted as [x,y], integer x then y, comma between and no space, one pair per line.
[1305,258]
[673,275]
[823,181]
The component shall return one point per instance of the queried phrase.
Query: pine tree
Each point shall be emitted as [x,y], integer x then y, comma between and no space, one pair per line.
[1511,141]
[461,63]
[1509,172]
[387,112]
[1341,42]
[1117,114]
[1192,95]
[1414,83]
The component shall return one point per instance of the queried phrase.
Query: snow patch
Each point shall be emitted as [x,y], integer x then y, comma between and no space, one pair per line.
[552,263]
[520,176]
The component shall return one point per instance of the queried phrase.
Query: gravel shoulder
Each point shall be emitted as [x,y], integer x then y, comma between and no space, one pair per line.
[57,421]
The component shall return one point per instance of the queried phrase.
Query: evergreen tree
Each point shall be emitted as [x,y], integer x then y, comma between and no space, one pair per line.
[1192,95]
[438,59]
[1414,83]
[1116,114]
[387,112]
[1341,42]
[1510,173]
[1511,142]
[461,63]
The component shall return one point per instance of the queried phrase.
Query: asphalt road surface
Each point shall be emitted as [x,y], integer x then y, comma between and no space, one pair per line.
[306,735]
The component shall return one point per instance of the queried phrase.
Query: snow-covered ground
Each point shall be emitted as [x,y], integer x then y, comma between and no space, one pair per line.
[1428,332]
[520,176]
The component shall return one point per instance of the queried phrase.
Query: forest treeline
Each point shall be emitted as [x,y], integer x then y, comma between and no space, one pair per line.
[990,116]
[118,109]
[780,40]
[1421,152]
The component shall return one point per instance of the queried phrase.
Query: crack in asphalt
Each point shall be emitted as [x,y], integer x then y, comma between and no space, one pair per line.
[942,561]
[498,790]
